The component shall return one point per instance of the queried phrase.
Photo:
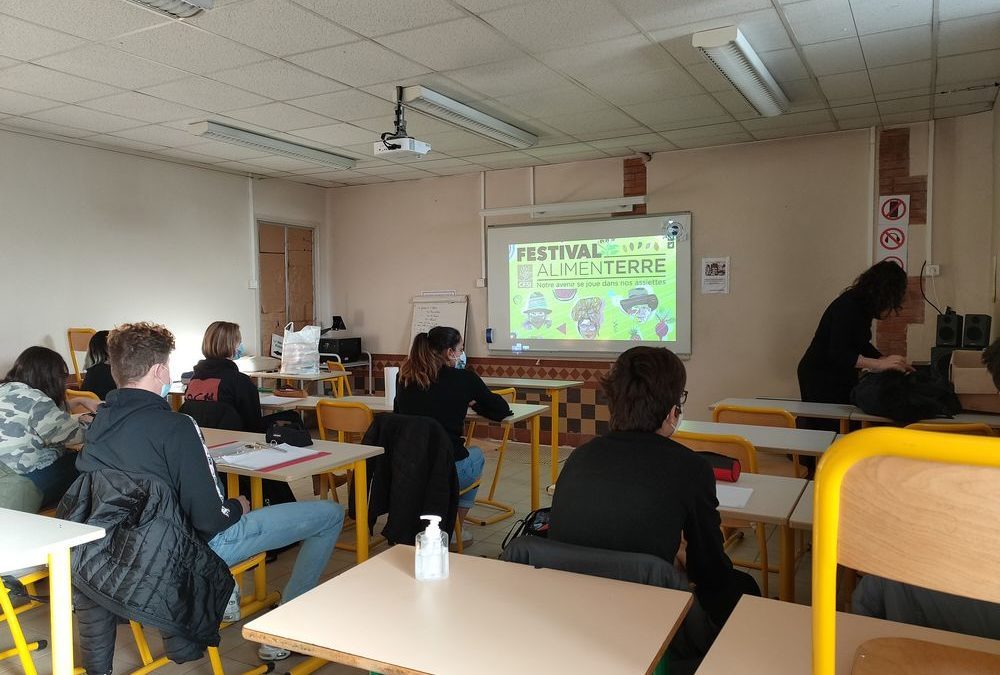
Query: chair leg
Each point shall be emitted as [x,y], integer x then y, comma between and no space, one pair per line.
[765,572]
[505,510]
[21,647]
[458,536]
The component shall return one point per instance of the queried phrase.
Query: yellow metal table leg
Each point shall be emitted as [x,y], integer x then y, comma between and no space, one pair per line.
[361,508]
[536,424]
[554,395]
[61,608]
[259,572]
[786,568]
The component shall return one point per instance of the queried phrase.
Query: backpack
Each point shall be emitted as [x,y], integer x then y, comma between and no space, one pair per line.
[906,398]
[292,432]
[534,524]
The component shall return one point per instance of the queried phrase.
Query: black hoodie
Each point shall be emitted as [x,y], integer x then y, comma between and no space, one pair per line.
[135,431]
[220,380]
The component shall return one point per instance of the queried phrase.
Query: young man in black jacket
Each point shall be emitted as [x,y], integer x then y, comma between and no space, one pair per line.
[135,431]
[656,492]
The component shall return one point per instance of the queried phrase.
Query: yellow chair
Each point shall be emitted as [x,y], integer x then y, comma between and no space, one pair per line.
[247,607]
[740,449]
[767,463]
[504,510]
[343,383]
[920,508]
[79,341]
[22,648]
[459,547]
[973,429]
[78,393]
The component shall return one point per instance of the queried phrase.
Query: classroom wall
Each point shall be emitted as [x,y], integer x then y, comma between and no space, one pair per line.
[94,238]
[996,217]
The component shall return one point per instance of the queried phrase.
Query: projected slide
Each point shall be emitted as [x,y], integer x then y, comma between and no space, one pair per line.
[593,289]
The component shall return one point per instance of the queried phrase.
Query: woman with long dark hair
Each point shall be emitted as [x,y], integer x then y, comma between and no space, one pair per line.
[431,386]
[34,424]
[98,378]
[842,346]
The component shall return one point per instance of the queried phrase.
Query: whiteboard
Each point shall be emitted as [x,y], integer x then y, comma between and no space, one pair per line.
[430,311]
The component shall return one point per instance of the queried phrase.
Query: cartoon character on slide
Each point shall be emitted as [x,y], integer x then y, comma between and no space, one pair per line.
[537,312]
[589,315]
[640,304]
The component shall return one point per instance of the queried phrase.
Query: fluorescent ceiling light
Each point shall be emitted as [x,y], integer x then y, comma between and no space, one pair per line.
[582,208]
[730,52]
[449,110]
[273,146]
[178,8]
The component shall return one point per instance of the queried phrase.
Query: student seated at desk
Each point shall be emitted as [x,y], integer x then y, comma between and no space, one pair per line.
[135,431]
[430,385]
[637,490]
[98,377]
[34,424]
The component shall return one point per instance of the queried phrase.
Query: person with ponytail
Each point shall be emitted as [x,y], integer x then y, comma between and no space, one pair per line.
[430,385]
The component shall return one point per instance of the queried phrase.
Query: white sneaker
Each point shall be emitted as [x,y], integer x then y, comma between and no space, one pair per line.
[233,613]
[269,653]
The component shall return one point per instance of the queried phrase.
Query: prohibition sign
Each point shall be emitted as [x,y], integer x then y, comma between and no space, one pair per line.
[892,238]
[894,259]
[893,209]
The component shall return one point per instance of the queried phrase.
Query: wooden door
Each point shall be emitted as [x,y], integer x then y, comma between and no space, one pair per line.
[286,279]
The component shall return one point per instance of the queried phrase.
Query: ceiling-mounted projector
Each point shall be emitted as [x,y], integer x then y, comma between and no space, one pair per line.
[398,143]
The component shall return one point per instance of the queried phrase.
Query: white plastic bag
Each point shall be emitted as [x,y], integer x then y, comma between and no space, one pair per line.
[300,350]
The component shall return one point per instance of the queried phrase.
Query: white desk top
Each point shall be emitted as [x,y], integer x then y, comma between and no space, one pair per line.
[530,383]
[424,626]
[802,516]
[770,637]
[769,439]
[340,454]
[311,377]
[836,411]
[773,499]
[962,418]
[28,538]
[522,411]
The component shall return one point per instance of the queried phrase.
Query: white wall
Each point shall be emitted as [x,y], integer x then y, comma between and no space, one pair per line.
[94,238]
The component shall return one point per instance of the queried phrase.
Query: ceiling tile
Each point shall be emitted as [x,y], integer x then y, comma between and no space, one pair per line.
[463,143]
[680,49]
[624,56]
[653,85]
[282,163]
[385,16]
[961,36]
[184,46]
[26,124]
[784,64]
[457,170]
[956,9]
[897,46]
[417,125]
[986,94]
[553,102]
[26,41]
[635,143]
[978,66]
[504,78]
[904,104]
[903,77]
[104,64]
[347,105]
[587,122]
[200,92]
[859,123]
[589,136]
[160,135]
[763,29]
[907,117]
[802,92]
[789,120]
[709,77]
[788,132]
[543,26]
[846,112]
[274,26]
[17,103]
[875,16]
[735,104]
[847,88]
[337,134]
[358,64]
[820,20]
[703,131]
[966,109]
[278,80]
[456,44]
[101,19]
[654,14]
[502,160]
[836,56]
[279,116]
[679,112]
[107,140]
[32,79]
[84,118]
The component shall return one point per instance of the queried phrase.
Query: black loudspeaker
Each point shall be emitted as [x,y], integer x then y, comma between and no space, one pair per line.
[941,361]
[949,330]
[977,331]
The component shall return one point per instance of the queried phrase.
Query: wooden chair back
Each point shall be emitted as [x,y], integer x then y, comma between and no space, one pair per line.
[973,429]
[761,417]
[344,417]
[338,367]
[79,341]
[736,447]
[77,393]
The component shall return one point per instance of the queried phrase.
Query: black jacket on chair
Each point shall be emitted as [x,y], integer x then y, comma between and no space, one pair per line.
[213,414]
[416,475]
[151,567]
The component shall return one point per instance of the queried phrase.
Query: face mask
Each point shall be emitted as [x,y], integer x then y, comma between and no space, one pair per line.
[460,361]
[680,418]
[240,351]
[165,390]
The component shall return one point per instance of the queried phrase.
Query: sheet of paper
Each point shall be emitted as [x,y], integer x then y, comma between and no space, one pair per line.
[217,451]
[279,400]
[267,457]
[733,496]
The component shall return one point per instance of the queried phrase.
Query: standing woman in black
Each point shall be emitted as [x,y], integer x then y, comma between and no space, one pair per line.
[842,345]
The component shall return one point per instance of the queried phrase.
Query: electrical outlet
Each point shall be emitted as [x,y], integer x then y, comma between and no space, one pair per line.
[933,271]
[480,283]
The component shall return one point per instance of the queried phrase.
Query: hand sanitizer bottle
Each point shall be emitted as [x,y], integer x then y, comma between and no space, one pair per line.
[432,551]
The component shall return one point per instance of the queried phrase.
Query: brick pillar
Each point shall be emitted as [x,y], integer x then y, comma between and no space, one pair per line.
[634,183]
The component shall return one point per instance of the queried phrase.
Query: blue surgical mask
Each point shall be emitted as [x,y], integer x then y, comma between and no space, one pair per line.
[240,351]
[165,389]
[460,362]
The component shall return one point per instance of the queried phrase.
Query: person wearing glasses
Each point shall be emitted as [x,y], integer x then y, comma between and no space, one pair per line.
[635,489]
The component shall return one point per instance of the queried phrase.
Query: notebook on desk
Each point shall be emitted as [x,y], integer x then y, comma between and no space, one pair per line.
[263,458]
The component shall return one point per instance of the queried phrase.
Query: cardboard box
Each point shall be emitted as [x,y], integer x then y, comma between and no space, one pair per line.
[973,383]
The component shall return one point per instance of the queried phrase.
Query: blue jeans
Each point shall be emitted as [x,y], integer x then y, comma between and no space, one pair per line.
[55,479]
[469,471]
[316,524]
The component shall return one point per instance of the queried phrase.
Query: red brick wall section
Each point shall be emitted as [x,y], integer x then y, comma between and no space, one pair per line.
[894,179]
[634,183]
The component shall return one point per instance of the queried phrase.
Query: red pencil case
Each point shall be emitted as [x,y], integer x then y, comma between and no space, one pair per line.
[726,468]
